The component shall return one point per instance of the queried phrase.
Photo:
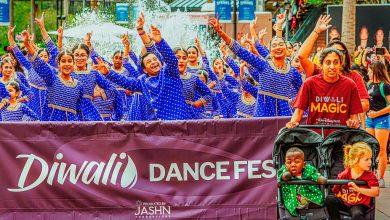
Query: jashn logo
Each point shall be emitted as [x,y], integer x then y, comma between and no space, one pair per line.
[152,210]
[90,172]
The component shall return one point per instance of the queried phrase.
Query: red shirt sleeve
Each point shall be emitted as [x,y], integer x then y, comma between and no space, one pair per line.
[356,105]
[362,90]
[302,99]
[371,180]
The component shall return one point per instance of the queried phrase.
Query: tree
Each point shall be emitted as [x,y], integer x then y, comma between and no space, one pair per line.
[348,24]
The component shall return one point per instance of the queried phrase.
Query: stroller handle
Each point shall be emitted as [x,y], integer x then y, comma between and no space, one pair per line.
[329,182]
[323,126]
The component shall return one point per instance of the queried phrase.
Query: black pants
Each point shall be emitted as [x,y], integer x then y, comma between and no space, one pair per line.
[334,205]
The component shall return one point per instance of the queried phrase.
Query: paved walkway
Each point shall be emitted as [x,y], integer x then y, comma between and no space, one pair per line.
[383,201]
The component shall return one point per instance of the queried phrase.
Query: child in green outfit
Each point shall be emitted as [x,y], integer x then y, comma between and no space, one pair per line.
[299,196]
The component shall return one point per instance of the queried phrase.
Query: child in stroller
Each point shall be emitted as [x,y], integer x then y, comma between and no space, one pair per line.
[299,196]
[326,155]
[352,198]
[308,142]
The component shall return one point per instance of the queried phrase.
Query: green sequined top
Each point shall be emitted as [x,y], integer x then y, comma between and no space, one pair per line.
[311,192]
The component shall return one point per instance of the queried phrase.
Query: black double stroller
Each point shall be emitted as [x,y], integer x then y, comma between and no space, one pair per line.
[324,154]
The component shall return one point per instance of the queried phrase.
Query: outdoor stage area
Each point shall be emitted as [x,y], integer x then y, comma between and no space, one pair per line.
[209,169]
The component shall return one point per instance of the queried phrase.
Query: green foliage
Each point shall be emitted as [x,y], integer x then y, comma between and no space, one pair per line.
[22,18]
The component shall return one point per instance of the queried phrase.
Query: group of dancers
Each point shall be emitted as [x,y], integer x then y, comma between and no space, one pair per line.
[162,83]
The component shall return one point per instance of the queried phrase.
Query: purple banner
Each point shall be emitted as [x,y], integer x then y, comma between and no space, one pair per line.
[158,170]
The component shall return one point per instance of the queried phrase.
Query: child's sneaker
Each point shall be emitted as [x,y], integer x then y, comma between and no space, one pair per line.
[382,183]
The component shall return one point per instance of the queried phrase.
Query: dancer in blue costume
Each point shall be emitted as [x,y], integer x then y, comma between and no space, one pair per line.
[89,78]
[138,107]
[18,69]
[36,83]
[121,65]
[192,85]
[65,94]
[161,85]
[193,52]
[212,109]
[8,72]
[16,110]
[217,81]
[4,96]
[278,81]
[245,98]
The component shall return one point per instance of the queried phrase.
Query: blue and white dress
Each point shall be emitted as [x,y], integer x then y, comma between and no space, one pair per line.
[53,52]
[18,112]
[105,104]
[65,101]
[25,91]
[221,83]
[276,86]
[164,92]
[192,85]
[89,79]
[36,83]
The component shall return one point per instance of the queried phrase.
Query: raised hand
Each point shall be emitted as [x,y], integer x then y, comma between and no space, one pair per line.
[11,39]
[155,34]
[101,66]
[253,24]
[40,21]
[125,40]
[262,33]
[197,43]
[214,23]
[25,37]
[60,30]
[141,22]
[87,40]
[323,24]
[280,18]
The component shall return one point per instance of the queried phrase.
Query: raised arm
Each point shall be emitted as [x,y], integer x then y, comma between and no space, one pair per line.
[236,48]
[201,51]
[53,50]
[233,65]
[165,50]
[261,35]
[60,35]
[18,55]
[252,29]
[42,68]
[307,46]
[280,18]
[263,50]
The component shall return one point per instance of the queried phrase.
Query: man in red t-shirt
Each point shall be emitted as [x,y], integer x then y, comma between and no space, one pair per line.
[331,98]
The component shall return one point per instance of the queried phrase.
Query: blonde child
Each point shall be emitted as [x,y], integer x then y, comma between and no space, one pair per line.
[352,198]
